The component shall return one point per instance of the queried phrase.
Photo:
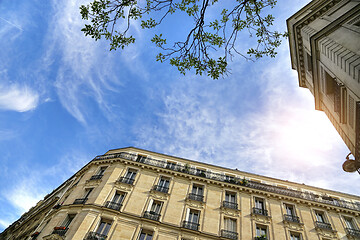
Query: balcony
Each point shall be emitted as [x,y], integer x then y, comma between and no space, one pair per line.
[60,231]
[231,205]
[260,211]
[34,235]
[229,234]
[80,201]
[353,232]
[196,197]
[126,180]
[96,177]
[237,181]
[113,205]
[161,189]
[323,225]
[95,236]
[152,215]
[191,225]
[261,238]
[291,218]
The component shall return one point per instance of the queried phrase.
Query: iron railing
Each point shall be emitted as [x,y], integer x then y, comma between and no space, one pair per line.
[80,201]
[95,236]
[228,204]
[161,189]
[191,225]
[229,234]
[126,180]
[237,181]
[113,205]
[60,231]
[261,238]
[323,225]
[260,211]
[95,177]
[196,197]
[291,218]
[152,215]
[353,232]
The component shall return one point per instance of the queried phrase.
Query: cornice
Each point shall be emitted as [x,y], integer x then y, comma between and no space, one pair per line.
[249,188]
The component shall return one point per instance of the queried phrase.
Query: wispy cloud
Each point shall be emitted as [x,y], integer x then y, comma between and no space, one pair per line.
[281,136]
[16,97]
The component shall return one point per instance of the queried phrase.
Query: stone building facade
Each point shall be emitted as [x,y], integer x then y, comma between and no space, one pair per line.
[324,39]
[131,193]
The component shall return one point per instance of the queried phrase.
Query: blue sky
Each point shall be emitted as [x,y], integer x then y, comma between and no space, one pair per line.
[65,99]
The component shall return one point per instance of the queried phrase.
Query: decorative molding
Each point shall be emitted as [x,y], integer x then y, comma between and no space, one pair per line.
[195,204]
[158,195]
[261,218]
[53,237]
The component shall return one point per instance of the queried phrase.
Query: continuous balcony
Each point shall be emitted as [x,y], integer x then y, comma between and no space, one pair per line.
[191,225]
[126,180]
[261,238]
[96,177]
[229,234]
[353,232]
[113,205]
[196,197]
[231,205]
[60,231]
[80,201]
[291,218]
[260,211]
[323,225]
[161,189]
[152,215]
[95,236]
[237,181]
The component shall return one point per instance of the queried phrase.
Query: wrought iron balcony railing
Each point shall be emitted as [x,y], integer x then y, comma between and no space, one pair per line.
[261,238]
[353,232]
[291,218]
[229,234]
[126,180]
[196,197]
[232,205]
[191,225]
[60,231]
[323,225]
[260,211]
[80,201]
[95,236]
[95,177]
[237,181]
[161,189]
[152,215]
[113,205]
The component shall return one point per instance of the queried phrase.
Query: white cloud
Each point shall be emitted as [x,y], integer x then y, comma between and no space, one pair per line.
[20,98]
[284,137]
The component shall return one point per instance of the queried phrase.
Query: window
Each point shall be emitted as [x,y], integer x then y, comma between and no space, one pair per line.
[192,219]
[197,193]
[141,158]
[129,177]
[116,201]
[260,207]
[85,196]
[99,173]
[329,84]
[290,210]
[68,220]
[230,224]
[230,200]
[153,210]
[320,217]
[261,231]
[163,185]
[145,235]
[295,236]
[349,223]
[229,179]
[103,228]
[200,172]
[170,165]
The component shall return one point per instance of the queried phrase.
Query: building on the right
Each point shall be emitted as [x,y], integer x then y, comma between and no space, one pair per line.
[324,38]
